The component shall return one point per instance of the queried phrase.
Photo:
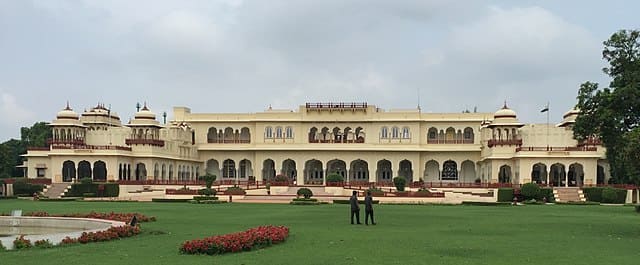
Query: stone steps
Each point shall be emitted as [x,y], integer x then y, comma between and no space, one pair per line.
[568,195]
[56,190]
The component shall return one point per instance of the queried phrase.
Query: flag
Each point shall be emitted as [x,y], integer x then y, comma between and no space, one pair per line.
[546,108]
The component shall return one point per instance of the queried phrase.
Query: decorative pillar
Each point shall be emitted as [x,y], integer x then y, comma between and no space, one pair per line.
[566,176]
[372,171]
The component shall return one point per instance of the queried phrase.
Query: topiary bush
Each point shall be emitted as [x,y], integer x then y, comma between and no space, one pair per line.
[505,194]
[609,195]
[593,194]
[305,192]
[530,191]
[400,183]
[335,177]
[207,192]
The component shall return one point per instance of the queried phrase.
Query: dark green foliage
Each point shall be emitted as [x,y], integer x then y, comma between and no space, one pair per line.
[304,200]
[612,113]
[99,189]
[169,200]
[305,192]
[593,194]
[235,190]
[86,181]
[486,203]
[505,194]
[334,177]
[546,192]
[579,203]
[204,198]
[637,208]
[208,180]
[530,191]
[11,150]
[605,194]
[400,183]
[21,187]
[359,202]
[64,199]
[2,247]
[207,192]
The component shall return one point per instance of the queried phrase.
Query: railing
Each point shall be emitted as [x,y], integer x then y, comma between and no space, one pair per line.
[38,148]
[495,142]
[228,141]
[554,148]
[153,142]
[456,141]
[336,105]
[65,142]
[92,147]
[356,141]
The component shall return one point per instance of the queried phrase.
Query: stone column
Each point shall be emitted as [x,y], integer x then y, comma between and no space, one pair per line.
[372,170]
[299,173]
[566,176]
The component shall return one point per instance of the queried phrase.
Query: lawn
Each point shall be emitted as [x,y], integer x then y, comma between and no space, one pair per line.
[405,234]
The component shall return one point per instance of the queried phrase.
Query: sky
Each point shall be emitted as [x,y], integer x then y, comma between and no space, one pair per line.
[241,56]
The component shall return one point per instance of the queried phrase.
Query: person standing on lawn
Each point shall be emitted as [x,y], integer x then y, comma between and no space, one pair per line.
[368,209]
[355,208]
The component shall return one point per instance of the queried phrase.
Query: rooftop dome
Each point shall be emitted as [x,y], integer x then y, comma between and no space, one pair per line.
[67,113]
[569,117]
[504,112]
[145,113]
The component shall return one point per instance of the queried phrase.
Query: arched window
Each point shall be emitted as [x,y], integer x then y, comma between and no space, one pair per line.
[278,132]
[394,132]
[288,132]
[432,134]
[384,132]
[405,133]
[268,132]
[468,133]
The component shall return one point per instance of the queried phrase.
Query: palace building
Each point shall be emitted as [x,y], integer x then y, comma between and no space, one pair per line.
[361,142]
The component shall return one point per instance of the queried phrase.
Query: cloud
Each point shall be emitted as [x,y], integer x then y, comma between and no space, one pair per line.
[14,114]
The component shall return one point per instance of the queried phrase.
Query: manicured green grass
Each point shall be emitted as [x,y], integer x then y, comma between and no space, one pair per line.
[405,234]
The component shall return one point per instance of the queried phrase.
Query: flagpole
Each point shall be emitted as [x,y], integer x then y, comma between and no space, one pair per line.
[547,126]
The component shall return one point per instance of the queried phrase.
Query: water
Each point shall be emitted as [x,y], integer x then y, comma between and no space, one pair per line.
[33,230]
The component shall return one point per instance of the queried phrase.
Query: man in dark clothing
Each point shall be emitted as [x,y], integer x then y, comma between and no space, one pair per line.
[355,208]
[368,209]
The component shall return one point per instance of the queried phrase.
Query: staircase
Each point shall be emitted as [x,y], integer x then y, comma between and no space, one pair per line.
[55,190]
[568,195]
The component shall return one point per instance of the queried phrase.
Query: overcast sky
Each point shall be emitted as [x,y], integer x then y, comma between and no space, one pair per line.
[242,56]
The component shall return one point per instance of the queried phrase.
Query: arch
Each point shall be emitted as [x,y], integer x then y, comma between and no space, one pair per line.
[449,170]
[432,171]
[84,169]
[213,167]
[120,172]
[337,166]
[245,135]
[228,169]
[384,172]
[163,174]
[432,134]
[395,132]
[289,169]
[246,170]
[576,175]
[468,135]
[514,133]
[405,170]
[337,135]
[450,134]
[600,175]
[268,169]
[539,173]
[313,135]
[359,171]
[68,171]
[459,135]
[313,173]
[170,172]
[384,132]
[324,135]
[468,171]
[156,171]
[558,174]
[228,135]
[288,132]
[100,171]
[141,171]
[278,132]
[405,133]
[504,174]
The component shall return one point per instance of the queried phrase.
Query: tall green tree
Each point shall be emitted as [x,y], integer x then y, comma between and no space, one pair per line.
[11,150]
[613,113]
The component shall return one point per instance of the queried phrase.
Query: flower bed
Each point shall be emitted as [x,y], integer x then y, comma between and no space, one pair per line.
[122,217]
[109,234]
[253,238]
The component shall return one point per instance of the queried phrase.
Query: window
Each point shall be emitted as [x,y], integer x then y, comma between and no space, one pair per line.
[384,133]
[41,172]
[394,132]
[268,132]
[433,133]
[288,132]
[278,132]
[405,133]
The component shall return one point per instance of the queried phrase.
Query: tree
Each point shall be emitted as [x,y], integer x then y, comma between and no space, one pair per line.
[613,113]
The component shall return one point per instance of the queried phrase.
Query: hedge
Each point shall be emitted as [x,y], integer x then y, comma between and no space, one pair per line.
[80,189]
[22,187]
[305,200]
[486,203]
[65,199]
[169,200]
[205,198]
[505,194]
[546,192]
[530,191]
[595,194]
[304,203]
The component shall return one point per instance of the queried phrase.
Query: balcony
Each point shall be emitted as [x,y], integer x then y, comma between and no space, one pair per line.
[500,142]
[555,148]
[228,141]
[152,142]
[330,105]
[357,141]
[452,141]
[65,142]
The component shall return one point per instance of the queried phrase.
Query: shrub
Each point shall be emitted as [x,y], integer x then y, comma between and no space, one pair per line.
[304,200]
[546,192]
[208,180]
[593,194]
[609,195]
[305,192]
[335,177]
[2,247]
[21,243]
[99,189]
[400,183]
[281,178]
[235,190]
[204,198]
[505,194]
[622,195]
[86,181]
[530,191]
[21,186]
[207,192]
[43,243]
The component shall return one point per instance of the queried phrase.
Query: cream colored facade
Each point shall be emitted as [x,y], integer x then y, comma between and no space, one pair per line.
[360,141]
